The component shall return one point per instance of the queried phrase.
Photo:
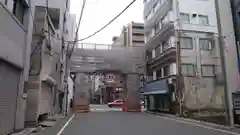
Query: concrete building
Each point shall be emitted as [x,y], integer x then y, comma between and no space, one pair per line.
[229,26]
[14,53]
[132,34]
[111,86]
[71,26]
[135,34]
[46,87]
[202,86]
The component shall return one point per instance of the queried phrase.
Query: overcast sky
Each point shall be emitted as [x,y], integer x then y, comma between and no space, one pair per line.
[99,12]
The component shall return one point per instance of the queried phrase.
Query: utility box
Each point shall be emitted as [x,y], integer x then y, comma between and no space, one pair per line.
[81,94]
[133,99]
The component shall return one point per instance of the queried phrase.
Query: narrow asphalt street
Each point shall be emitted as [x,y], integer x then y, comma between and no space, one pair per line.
[123,123]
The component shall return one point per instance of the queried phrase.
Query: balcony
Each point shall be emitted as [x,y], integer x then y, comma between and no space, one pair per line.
[139,31]
[138,38]
[161,35]
[168,56]
[12,37]
[161,11]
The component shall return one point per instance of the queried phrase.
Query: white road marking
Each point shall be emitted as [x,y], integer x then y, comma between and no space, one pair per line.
[104,109]
[197,125]
[66,124]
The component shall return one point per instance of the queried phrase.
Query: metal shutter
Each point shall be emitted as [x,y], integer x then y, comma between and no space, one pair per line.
[9,84]
[45,100]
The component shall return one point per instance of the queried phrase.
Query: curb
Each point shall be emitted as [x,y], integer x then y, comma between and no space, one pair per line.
[190,120]
[27,131]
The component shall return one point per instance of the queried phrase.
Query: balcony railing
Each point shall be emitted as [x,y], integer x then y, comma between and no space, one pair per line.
[161,35]
[140,31]
[167,56]
[162,10]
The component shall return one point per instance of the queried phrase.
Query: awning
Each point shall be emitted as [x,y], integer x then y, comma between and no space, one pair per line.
[155,92]
[156,87]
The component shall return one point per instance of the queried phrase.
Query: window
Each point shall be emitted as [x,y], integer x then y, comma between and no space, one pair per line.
[203,19]
[135,41]
[207,70]
[17,7]
[186,43]
[157,51]
[138,27]
[185,18]
[206,44]
[56,67]
[156,27]
[165,46]
[138,34]
[159,73]
[187,69]
[149,55]
[166,70]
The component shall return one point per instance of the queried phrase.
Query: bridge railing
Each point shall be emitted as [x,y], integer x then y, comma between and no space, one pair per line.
[94,46]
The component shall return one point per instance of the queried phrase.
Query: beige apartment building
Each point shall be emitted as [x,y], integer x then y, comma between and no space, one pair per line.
[132,35]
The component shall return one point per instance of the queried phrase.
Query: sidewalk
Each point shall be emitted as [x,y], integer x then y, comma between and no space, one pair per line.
[51,122]
[193,121]
[53,130]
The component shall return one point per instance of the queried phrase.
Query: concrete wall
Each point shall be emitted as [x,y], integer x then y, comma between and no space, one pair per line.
[13,37]
[232,74]
[15,48]
[71,27]
[82,87]
[58,4]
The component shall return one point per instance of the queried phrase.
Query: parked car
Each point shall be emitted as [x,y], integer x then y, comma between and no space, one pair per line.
[116,103]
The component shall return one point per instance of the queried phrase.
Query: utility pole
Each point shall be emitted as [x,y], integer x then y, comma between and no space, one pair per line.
[178,58]
[228,105]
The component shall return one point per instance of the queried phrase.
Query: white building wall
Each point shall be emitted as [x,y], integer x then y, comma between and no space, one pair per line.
[71,27]
[203,7]
[197,87]
[70,91]
[15,48]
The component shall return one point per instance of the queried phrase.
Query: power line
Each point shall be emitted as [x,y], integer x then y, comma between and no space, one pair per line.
[80,19]
[79,22]
[108,22]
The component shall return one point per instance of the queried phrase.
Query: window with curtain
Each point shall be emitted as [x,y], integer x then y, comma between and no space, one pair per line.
[203,19]
[206,44]
[185,18]
[208,70]
[187,69]
[186,43]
